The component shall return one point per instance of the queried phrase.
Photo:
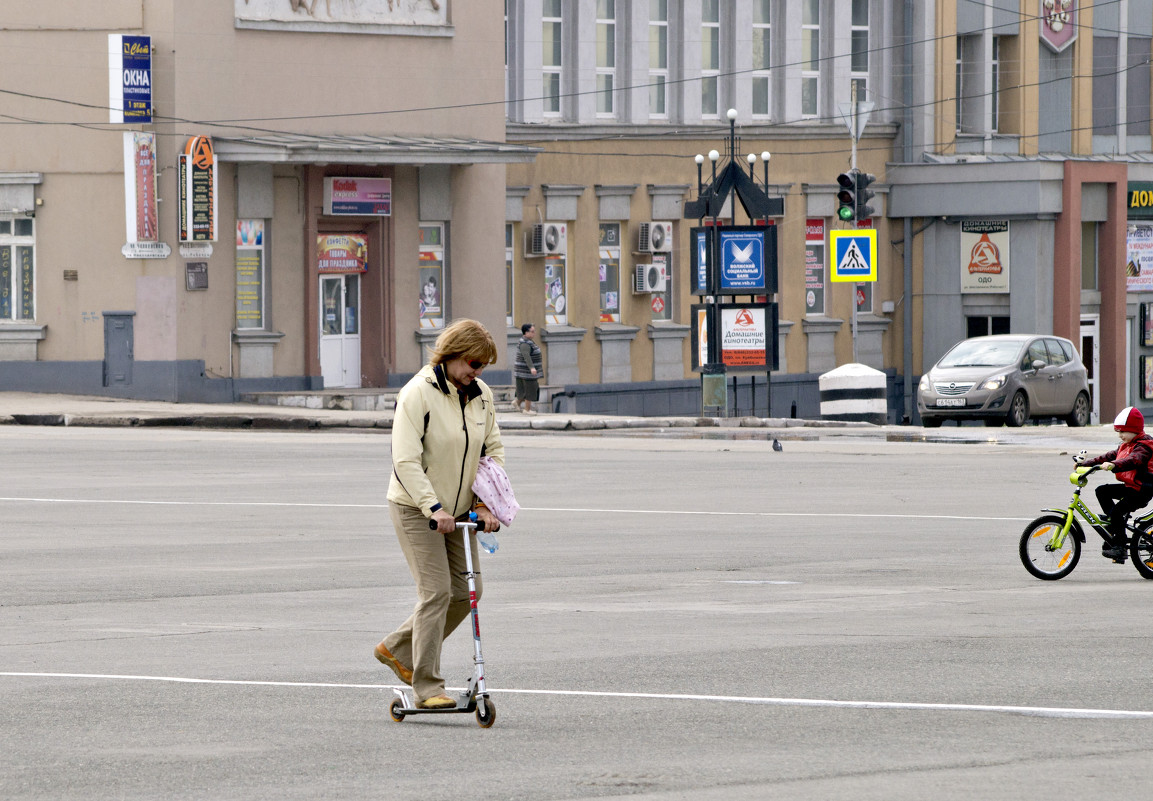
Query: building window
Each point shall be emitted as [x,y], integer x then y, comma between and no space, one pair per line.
[810,56]
[609,264]
[1089,255]
[508,263]
[984,326]
[995,70]
[432,273]
[17,268]
[1137,86]
[551,56]
[606,56]
[710,57]
[250,277]
[658,57]
[762,36]
[556,289]
[859,54]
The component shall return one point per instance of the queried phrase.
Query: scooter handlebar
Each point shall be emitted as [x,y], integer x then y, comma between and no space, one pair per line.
[473,522]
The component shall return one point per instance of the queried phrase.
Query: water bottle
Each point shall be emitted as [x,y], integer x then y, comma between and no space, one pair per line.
[487,540]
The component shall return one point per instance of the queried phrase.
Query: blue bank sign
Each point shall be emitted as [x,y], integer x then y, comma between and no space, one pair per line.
[129,79]
[742,260]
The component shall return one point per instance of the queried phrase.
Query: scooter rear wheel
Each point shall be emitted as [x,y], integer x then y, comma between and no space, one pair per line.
[394,710]
[1041,560]
[1141,551]
[486,714]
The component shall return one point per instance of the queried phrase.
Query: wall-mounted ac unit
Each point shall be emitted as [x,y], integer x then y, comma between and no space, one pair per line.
[650,278]
[655,237]
[548,239]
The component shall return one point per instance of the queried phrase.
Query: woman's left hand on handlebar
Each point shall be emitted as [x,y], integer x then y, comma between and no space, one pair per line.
[488,518]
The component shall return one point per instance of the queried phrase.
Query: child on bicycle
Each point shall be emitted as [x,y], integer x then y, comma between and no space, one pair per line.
[1130,464]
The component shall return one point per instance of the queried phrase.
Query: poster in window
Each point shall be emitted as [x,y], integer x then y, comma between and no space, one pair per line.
[1139,257]
[1147,377]
[1147,325]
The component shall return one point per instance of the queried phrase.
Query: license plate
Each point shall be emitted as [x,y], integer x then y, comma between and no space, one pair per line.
[950,401]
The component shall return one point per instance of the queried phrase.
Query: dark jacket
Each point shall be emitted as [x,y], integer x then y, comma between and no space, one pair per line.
[528,356]
[1130,462]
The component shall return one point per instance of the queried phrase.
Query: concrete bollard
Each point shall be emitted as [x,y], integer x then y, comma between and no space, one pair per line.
[854,392]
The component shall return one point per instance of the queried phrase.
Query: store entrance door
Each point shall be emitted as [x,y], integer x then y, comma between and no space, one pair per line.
[1091,357]
[340,330]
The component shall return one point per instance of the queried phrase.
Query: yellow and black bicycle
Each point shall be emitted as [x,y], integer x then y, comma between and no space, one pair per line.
[1051,544]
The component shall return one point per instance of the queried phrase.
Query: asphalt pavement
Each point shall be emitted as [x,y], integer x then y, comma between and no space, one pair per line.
[189,612]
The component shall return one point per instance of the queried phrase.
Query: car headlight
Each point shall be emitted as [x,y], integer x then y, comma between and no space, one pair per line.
[996,382]
[925,382]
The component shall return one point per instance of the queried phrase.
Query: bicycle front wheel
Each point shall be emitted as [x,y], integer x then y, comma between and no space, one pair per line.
[1038,554]
[1141,551]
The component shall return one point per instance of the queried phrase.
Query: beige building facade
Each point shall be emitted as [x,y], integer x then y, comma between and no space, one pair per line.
[287,108]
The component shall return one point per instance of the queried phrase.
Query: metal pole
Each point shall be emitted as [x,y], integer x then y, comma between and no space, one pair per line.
[853,164]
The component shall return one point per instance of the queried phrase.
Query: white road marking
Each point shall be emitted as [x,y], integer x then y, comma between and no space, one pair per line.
[678,513]
[1029,711]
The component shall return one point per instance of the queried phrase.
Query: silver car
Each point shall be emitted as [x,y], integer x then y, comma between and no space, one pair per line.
[1006,379]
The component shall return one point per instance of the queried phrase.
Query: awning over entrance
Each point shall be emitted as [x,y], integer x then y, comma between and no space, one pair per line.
[365,149]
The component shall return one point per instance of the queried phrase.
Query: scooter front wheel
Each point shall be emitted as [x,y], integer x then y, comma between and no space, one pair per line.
[394,710]
[1141,552]
[486,714]
[1038,555]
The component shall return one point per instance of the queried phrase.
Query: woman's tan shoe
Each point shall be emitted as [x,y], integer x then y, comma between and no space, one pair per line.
[437,702]
[387,659]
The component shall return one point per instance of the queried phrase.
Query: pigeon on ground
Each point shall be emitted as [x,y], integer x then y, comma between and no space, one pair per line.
[777,445]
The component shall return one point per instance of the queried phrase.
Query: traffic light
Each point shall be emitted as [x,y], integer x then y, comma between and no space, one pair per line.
[862,194]
[847,197]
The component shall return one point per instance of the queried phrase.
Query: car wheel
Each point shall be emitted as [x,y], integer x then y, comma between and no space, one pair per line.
[1018,411]
[1080,414]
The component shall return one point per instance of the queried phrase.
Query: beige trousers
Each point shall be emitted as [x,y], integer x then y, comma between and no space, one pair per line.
[437,564]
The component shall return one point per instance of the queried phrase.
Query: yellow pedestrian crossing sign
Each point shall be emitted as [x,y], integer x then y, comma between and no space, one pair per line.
[853,255]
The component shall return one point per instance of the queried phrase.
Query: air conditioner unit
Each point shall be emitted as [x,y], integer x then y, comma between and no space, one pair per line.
[650,278]
[548,239]
[655,237]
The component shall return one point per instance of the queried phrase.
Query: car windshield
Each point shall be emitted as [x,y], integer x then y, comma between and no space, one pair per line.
[982,353]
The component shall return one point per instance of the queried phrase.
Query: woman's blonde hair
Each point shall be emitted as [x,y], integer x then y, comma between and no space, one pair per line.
[465,339]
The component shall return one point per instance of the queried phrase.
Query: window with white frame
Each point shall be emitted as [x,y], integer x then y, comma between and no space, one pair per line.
[995,69]
[551,61]
[17,268]
[810,56]
[658,58]
[762,36]
[508,263]
[859,47]
[710,57]
[606,57]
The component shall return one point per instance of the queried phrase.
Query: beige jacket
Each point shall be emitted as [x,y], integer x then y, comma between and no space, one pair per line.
[437,443]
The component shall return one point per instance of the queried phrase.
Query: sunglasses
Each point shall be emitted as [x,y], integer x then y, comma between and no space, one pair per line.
[475,365]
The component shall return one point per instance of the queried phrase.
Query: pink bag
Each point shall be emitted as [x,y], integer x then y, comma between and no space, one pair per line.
[495,490]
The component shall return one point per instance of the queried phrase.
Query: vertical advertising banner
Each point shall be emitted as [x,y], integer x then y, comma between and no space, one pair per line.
[129,79]
[815,266]
[984,255]
[140,208]
[197,178]
[250,274]
[555,289]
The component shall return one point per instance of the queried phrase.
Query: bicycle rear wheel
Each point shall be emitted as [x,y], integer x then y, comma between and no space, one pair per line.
[1141,551]
[1040,558]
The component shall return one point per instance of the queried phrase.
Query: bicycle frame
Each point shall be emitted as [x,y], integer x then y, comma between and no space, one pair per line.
[1079,507]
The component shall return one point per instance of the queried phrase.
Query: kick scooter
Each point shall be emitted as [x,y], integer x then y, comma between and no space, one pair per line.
[475,697]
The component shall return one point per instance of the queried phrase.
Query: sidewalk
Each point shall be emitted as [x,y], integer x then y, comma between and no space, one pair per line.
[37,409]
